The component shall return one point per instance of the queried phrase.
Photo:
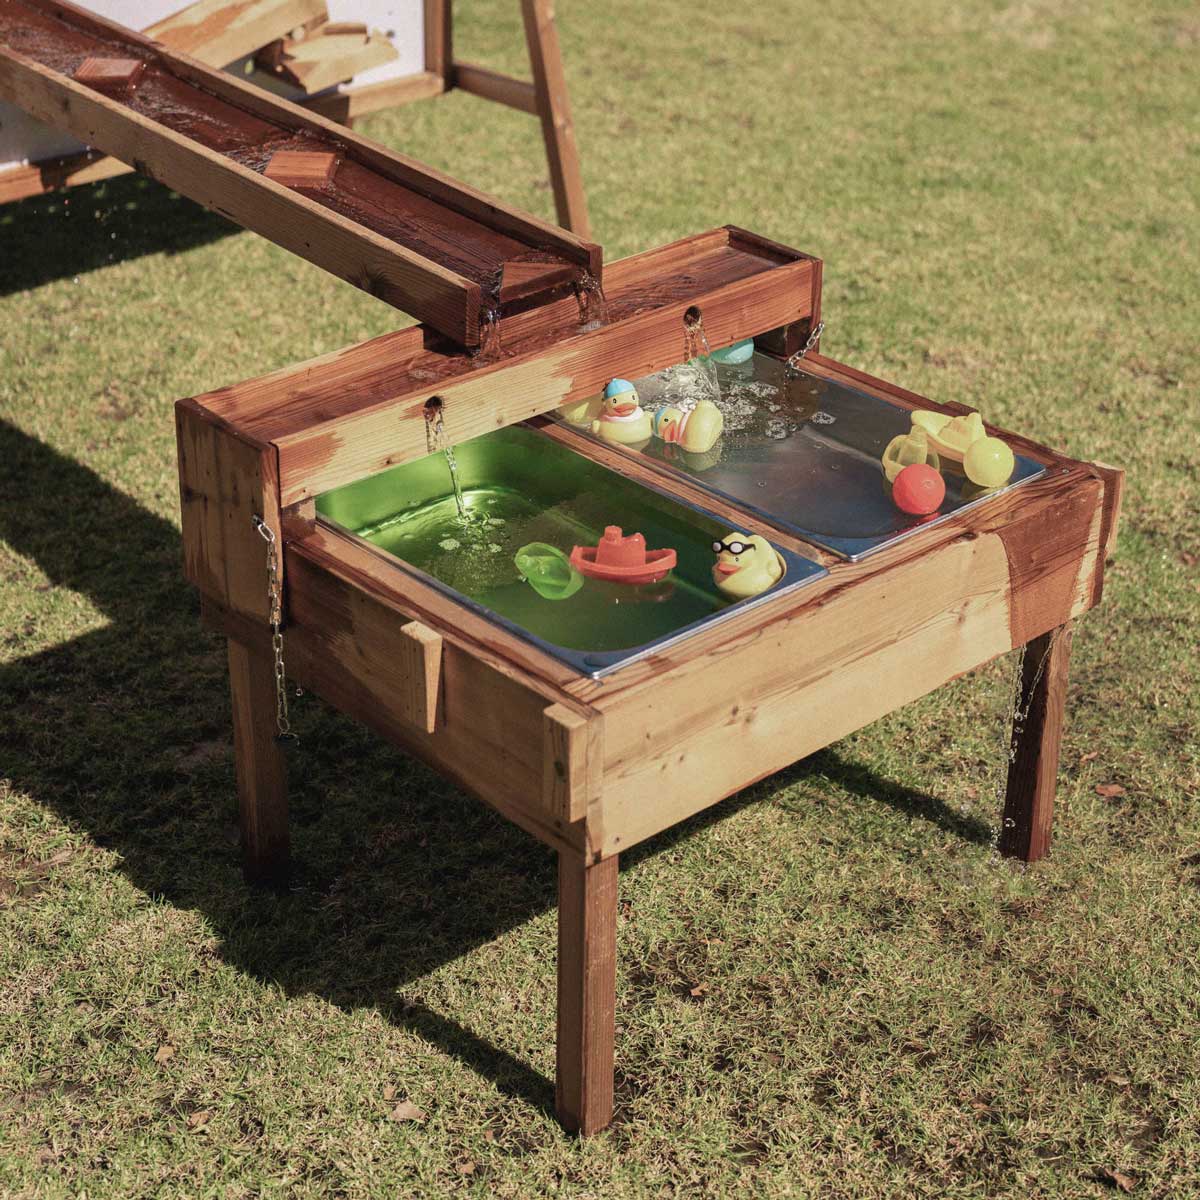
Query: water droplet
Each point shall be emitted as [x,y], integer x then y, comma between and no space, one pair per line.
[776,427]
[821,417]
[449,543]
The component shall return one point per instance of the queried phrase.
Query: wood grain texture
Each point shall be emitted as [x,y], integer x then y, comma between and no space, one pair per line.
[739,702]
[260,764]
[194,128]
[383,423]
[420,664]
[225,480]
[325,58]
[1036,739]
[218,32]
[109,74]
[574,762]
[554,109]
[587,980]
[302,168]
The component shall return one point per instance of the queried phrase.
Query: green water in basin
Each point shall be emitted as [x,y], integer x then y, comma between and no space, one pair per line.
[518,487]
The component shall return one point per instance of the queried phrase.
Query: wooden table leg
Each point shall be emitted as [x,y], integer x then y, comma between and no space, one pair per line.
[1033,771]
[261,769]
[587,982]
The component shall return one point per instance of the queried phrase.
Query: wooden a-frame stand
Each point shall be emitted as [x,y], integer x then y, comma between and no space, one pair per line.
[545,97]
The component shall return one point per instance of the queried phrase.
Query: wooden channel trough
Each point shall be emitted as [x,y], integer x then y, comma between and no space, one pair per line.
[563,754]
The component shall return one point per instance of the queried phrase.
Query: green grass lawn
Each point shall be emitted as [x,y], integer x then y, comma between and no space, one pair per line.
[828,987]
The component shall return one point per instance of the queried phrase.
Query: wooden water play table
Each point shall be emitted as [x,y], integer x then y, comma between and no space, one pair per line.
[567,756]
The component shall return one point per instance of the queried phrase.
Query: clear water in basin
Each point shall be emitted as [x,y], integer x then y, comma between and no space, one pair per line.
[520,487]
[802,451]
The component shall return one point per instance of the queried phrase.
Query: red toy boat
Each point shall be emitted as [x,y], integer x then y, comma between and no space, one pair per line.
[619,559]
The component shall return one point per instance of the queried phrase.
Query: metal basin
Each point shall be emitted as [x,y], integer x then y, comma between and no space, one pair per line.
[520,487]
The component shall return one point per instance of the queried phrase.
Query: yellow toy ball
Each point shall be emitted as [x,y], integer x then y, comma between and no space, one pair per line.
[989,462]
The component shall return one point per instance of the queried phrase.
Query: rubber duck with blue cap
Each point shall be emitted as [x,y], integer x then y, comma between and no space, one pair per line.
[622,418]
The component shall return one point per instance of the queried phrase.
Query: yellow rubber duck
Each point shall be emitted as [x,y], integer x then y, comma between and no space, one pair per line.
[747,565]
[695,431]
[622,419]
[906,449]
[582,412]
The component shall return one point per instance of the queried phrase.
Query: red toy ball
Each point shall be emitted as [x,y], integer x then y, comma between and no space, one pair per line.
[918,489]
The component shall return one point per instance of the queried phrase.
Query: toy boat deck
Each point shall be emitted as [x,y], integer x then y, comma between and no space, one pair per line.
[411,236]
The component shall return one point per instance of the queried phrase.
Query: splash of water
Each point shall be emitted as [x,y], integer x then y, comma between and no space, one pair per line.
[490,348]
[593,303]
[435,436]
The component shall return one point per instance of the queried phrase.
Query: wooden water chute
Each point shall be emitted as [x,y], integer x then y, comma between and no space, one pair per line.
[295,40]
[407,234]
[564,755]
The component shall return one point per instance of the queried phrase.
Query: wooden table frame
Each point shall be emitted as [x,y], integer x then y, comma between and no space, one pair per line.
[563,756]
[546,97]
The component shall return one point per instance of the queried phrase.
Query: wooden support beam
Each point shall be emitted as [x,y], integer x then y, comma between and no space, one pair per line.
[439,41]
[574,762]
[491,85]
[261,769]
[1036,738]
[554,108]
[587,982]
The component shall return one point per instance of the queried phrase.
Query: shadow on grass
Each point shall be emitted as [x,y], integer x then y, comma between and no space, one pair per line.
[68,233]
[125,733]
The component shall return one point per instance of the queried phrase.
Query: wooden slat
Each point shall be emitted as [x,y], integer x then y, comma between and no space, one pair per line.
[439,41]
[218,32]
[491,85]
[394,257]
[574,762]
[420,664]
[325,58]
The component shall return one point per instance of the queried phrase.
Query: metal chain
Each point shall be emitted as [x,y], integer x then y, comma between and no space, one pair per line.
[275,606]
[793,363]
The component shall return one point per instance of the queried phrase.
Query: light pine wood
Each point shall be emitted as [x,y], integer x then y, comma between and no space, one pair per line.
[420,665]
[1036,738]
[574,762]
[554,109]
[261,769]
[218,32]
[325,58]
[587,981]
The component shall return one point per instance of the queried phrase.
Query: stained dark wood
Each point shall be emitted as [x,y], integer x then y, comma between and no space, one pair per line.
[261,769]
[587,982]
[409,235]
[1036,738]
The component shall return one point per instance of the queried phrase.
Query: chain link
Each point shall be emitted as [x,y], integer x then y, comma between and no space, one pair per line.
[275,606]
[793,363]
